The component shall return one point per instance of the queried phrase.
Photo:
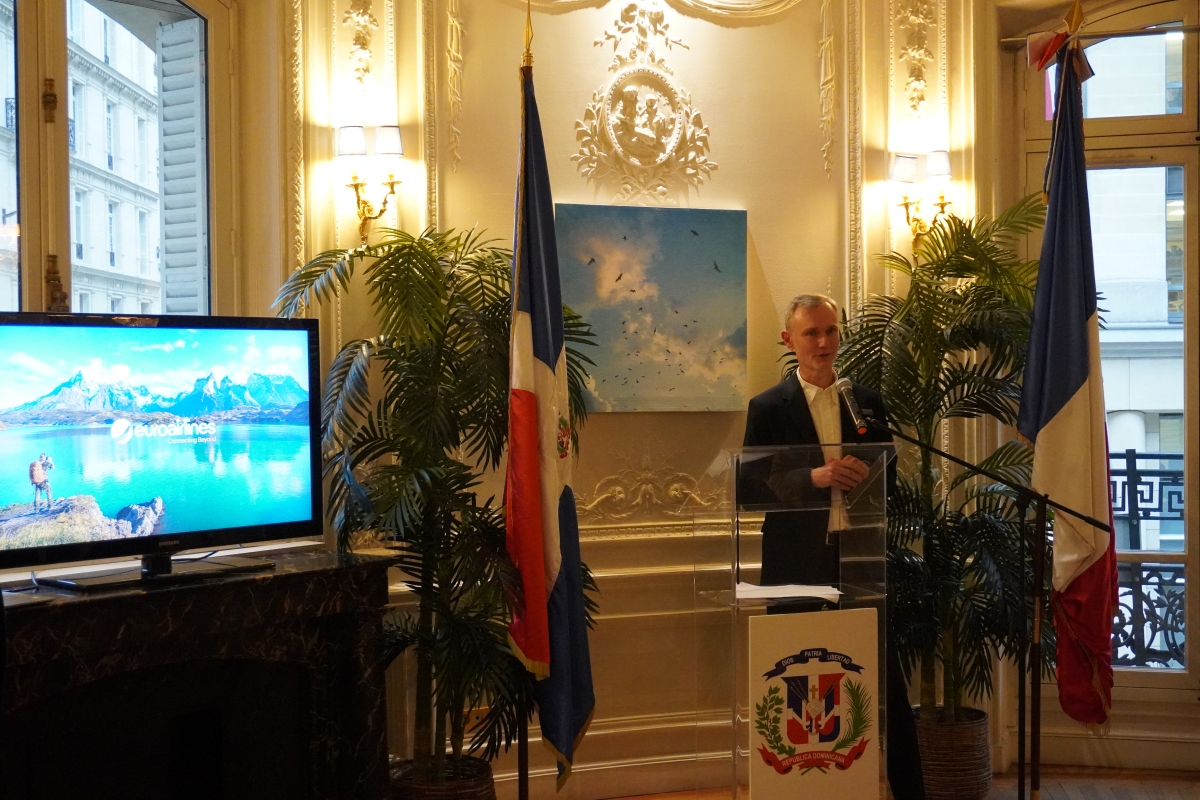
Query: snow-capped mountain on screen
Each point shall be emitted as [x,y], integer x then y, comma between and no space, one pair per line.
[85,396]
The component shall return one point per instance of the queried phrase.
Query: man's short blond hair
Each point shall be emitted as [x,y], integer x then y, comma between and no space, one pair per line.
[808,301]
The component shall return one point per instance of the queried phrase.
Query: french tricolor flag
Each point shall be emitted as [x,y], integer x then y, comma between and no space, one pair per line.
[1062,412]
[549,630]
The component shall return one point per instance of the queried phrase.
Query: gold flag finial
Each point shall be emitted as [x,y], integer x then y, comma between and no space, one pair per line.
[528,59]
[1074,18]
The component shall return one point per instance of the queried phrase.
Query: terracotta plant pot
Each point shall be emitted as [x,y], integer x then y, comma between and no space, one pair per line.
[956,757]
[471,780]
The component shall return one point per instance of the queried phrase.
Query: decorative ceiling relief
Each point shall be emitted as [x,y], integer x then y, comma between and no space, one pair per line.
[641,132]
[454,57]
[916,16]
[359,16]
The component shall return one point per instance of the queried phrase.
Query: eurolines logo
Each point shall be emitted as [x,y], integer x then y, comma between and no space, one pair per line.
[123,430]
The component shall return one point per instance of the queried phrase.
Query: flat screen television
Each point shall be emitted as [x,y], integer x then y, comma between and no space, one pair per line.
[146,435]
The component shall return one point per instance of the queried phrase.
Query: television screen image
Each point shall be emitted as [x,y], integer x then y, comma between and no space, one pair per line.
[112,433]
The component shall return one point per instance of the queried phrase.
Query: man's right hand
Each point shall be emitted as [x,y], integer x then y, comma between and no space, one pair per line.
[844,473]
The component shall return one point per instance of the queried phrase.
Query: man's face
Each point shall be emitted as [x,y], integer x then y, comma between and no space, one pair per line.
[812,334]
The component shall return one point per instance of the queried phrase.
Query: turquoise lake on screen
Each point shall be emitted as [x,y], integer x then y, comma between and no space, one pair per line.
[243,474]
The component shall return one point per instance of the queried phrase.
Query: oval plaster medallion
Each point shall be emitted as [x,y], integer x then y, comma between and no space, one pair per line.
[643,116]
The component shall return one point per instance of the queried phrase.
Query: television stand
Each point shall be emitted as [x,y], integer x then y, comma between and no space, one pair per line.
[158,570]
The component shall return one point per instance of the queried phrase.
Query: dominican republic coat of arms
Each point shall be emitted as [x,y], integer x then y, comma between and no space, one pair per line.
[815,711]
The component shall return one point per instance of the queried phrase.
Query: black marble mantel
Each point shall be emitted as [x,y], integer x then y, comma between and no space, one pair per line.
[304,636]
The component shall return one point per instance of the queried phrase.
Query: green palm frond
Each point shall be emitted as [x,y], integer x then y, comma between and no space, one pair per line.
[954,346]
[410,417]
[319,280]
[858,715]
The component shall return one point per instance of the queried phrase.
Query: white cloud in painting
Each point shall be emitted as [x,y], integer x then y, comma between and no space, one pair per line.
[618,270]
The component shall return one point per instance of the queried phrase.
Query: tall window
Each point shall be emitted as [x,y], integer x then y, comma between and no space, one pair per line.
[1144,194]
[156,84]
[78,225]
[143,242]
[10,279]
[112,234]
[141,149]
[85,302]
[74,124]
[109,133]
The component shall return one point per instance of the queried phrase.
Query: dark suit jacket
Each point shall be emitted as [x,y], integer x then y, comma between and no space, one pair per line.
[795,546]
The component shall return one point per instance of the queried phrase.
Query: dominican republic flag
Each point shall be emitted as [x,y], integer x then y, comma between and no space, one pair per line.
[549,630]
[1062,412]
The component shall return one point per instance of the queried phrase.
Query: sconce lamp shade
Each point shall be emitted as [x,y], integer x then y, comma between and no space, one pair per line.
[351,141]
[904,168]
[387,141]
[937,164]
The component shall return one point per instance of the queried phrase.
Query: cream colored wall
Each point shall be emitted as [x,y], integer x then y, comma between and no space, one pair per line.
[658,661]
[757,86]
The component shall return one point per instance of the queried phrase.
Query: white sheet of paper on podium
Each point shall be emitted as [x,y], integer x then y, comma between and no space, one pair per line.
[749,592]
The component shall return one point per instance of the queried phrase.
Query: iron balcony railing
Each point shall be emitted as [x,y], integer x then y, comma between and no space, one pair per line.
[71,134]
[10,113]
[1149,631]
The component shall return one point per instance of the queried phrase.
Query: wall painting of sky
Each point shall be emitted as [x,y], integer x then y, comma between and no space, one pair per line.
[665,292]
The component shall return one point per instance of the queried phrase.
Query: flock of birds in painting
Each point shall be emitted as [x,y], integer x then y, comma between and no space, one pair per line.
[669,361]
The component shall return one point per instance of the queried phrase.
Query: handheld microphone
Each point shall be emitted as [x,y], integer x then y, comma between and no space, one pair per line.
[846,390]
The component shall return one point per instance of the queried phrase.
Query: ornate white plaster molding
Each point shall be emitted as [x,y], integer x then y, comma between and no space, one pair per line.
[429,121]
[641,132]
[650,492]
[856,290]
[455,31]
[729,8]
[917,17]
[359,17]
[828,86]
[295,136]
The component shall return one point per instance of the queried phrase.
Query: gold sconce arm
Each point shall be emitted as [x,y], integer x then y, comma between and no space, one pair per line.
[912,217]
[365,208]
[916,223]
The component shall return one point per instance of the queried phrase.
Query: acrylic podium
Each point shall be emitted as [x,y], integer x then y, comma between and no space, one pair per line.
[806,699]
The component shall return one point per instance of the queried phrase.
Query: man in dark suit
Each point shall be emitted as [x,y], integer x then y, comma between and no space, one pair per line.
[803,546]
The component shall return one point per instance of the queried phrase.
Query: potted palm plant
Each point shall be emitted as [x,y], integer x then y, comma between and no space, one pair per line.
[954,347]
[410,419]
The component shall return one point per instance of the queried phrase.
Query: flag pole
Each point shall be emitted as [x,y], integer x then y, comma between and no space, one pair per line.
[1035,653]
[1022,653]
[527,59]
[522,704]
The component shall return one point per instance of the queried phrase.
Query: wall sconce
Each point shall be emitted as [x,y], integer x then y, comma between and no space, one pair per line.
[352,145]
[937,169]
[906,169]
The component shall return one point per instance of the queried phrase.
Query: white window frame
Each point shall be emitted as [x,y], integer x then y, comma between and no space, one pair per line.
[79,225]
[1183,11]
[1136,141]
[142,143]
[110,133]
[113,222]
[143,234]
